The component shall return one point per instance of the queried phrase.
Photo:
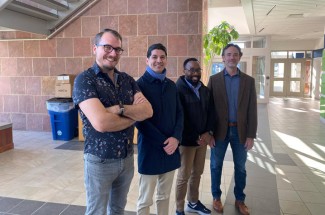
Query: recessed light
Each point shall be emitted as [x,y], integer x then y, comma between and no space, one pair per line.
[296,15]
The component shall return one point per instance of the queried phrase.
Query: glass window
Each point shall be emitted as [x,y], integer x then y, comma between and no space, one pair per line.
[295,86]
[258,73]
[243,45]
[217,67]
[297,54]
[242,66]
[278,70]
[278,86]
[295,70]
[259,42]
[243,42]
[280,54]
[309,54]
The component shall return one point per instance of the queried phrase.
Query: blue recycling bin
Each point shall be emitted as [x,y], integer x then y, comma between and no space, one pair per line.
[64,118]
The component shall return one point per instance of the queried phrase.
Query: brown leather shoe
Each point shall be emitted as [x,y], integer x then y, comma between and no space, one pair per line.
[217,205]
[243,209]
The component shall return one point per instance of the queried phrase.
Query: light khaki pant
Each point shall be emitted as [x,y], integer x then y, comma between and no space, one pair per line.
[147,185]
[189,174]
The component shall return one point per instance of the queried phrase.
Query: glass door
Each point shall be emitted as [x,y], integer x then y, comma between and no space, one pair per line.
[287,77]
[261,78]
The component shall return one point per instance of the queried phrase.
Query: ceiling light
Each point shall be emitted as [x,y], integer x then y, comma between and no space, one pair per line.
[270,10]
[296,15]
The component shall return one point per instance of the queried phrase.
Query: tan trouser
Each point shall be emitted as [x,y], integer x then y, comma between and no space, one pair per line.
[147,184]
[189,174]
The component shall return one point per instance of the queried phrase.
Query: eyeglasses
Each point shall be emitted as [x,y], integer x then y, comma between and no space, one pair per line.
[108,48]
[192,70]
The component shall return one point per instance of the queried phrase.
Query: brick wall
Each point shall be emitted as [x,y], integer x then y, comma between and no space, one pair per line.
[28,67]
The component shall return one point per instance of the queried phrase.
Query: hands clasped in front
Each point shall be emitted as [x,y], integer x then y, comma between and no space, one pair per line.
[206,139]
[171,145]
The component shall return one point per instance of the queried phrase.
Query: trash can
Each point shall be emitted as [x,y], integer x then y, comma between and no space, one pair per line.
[64,118]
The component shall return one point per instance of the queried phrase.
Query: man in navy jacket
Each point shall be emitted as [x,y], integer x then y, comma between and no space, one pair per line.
[197,134]
[159,136]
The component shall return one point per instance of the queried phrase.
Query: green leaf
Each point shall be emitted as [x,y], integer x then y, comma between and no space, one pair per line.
[216,39]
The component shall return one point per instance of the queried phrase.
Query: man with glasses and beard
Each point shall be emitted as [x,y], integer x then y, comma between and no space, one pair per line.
[110,103]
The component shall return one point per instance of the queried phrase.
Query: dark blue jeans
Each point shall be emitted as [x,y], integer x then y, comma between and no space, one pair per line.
[239,157]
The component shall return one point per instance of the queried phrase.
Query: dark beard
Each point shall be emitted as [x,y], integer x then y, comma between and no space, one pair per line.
[194,84]
[109,68]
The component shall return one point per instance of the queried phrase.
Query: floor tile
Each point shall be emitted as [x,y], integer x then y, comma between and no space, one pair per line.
[283,183]
[316,209]
[297,208]
[27,207]
[7,204]
[312,197]
[283,159]
[289,195]
[74,210]
[303,186]
[51,209]
[72,145]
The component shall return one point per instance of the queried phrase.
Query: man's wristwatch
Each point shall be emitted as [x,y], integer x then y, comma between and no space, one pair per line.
[121,111]
[211,133]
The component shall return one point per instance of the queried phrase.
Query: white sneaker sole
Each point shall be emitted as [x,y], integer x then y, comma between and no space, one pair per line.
[190,210]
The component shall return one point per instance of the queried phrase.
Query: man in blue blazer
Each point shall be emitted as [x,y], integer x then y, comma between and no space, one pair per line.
[235,105]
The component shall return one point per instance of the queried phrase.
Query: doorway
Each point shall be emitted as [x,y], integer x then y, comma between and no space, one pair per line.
[290,77]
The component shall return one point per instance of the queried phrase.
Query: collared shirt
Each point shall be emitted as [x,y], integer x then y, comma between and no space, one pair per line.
[195,89]
[93,83]
[232,88]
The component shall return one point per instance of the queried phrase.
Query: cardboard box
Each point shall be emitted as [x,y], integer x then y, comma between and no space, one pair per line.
[63,90]
[65,79]
[64,85]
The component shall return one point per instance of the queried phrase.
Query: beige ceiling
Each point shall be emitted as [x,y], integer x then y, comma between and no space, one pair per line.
[282,19]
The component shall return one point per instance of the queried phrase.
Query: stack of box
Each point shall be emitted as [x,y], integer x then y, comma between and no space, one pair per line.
[64,86]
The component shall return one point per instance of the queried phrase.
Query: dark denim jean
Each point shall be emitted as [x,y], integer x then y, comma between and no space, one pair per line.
[239,157]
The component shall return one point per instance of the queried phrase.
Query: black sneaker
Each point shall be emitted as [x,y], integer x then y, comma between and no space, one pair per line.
[180,213]
[198,208]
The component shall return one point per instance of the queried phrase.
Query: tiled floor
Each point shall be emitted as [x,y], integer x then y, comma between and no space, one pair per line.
[286,169]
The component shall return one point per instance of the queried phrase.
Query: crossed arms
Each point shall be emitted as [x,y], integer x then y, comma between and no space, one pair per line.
[107,119]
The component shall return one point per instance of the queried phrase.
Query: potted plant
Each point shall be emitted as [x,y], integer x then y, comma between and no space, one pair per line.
[214,41]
